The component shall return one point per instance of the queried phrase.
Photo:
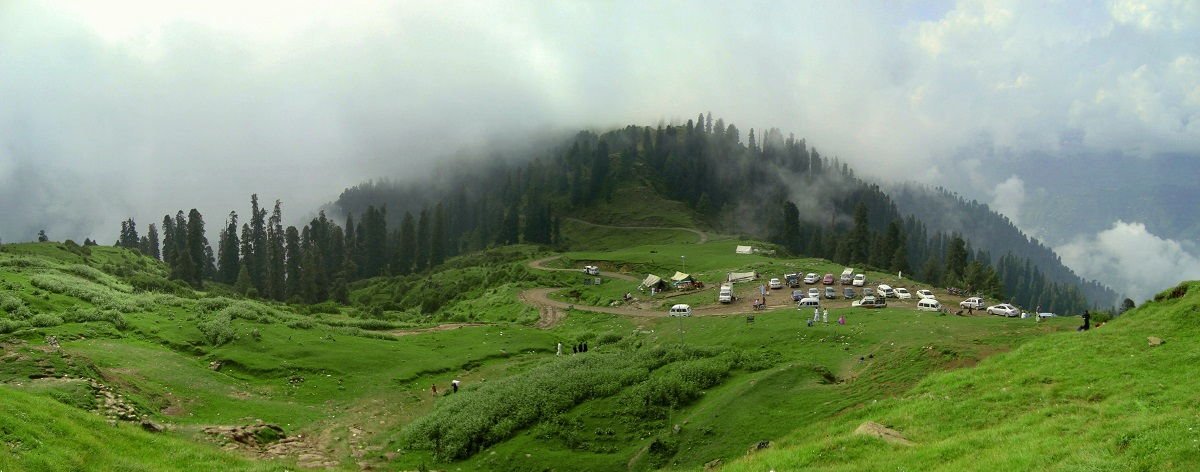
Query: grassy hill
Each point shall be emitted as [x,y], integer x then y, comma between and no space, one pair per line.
[1099,400]
[351,385]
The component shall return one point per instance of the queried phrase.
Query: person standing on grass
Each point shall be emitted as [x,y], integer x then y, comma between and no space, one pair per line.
[816,315]
[825,316]
[454,385]
[1087,321]
[842,320]
[434,389]
[558,351]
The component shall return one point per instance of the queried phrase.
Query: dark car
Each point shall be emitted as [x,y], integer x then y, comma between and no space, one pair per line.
[797,295]
[848,293]
[830,293]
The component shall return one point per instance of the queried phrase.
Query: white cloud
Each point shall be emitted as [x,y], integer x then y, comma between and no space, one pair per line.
[1008,197]
[1132,260]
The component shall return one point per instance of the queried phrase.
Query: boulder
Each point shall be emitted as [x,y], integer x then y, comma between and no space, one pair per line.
[885,433]
[1155,341]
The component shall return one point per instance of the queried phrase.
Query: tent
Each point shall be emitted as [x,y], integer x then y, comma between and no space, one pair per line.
[681,279]
[741,276]
[744,250]
[654,282]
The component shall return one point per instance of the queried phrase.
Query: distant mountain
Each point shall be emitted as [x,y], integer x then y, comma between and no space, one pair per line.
[767,186]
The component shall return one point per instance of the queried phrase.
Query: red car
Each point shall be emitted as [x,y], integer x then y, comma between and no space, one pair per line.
[828,280]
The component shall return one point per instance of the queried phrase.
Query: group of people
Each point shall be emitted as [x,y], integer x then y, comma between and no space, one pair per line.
[453,387]
[822,316]
[576,349]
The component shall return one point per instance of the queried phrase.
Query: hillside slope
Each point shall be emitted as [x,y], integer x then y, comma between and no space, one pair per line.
[1099,400]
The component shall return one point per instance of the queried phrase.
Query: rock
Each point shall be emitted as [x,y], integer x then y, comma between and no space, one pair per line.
[1155,341]
[713,464]
[885,433]
[758,446]
[151,426]
[215,365]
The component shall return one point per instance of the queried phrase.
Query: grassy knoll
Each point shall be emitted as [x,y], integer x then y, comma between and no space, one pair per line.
[40,434]
[1100,400]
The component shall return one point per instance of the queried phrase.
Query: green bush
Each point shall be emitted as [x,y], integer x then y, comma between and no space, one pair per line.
[8,326]
[217,330]
[45,320]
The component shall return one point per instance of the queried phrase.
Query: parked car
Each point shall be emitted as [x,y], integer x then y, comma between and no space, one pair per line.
[868,292]
[870,302]
[1004,309]
[1046,315]
[847,276]
[859,280]
[974,303]
[681,310]
[793,280]
[810,279]
[775,284]
[591,270]
[814,293]
[885,291]
[726,294]
[797,295]
[925,294]
[902,293]
[830,292]
[848,293]
[929,304]
[828,279]
[808,302]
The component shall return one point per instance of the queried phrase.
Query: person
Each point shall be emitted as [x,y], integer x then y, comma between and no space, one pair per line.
[842,320]
[558,350]
[585,346]
[810,323]
[816,315]
[575,349]
[1087,321]
[434,389]
[454,385]
[825,316]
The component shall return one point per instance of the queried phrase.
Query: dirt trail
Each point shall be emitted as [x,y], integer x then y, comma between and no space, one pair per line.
[441,327]
[703,237]
[540,264]
[540,297]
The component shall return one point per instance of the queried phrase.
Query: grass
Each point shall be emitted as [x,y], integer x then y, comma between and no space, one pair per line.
[356,380]
[1099,400]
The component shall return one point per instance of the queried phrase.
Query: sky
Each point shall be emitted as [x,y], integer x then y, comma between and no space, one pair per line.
[129,108]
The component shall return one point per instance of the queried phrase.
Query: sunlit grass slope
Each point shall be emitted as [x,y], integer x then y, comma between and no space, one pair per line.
[1098,400]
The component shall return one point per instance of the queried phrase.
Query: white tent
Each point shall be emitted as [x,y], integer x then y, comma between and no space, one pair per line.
[651,281]
[740,276]
[680,277]
[745,250]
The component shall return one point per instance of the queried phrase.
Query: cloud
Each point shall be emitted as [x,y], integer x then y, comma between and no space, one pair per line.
[166,105]
[1132,260]
[1008,197]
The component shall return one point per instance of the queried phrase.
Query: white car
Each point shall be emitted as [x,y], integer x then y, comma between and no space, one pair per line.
[681,310]
[885,291]
[591,270]
[902,293]
[929,304]
[1004,309]
[726,294]
[814,293]
[974,303]
[811,278]
[1046,315]
[859,280]
[870,302]
[924,294]
[775,284]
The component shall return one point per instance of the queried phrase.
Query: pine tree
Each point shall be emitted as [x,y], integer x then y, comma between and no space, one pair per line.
[242,283]
[276,272]
[860,236]
[956,261]
[228,247]
[437,238]
[198,249]
[169,244]
[257,258]
[406,246]
[294,257]
[421,259]
[152,239]
[185,262]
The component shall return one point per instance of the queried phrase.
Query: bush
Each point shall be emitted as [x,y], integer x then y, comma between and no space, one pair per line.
[46,320]
[217,330]
[8,326]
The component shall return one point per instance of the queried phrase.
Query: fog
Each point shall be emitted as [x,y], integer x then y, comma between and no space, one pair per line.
[139,108]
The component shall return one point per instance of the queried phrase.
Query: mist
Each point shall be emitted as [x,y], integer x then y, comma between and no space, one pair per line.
[138,109]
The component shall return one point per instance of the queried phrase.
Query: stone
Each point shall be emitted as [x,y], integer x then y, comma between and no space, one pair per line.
[1155,341]
[885,433]
[152,426]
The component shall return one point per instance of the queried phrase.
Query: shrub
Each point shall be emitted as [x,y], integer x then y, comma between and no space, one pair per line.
[8,326]
[46,320]
[217,330]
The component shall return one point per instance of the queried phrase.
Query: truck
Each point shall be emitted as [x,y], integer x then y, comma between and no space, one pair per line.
[847,276]
[792,280]
[725,295]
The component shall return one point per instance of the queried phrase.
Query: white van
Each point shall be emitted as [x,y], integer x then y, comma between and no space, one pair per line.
[726,294]
[885,291]
[681,310]
[591,270]
[808,302]
[929,304]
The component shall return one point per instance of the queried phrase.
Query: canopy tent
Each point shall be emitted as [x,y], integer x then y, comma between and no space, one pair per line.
[745,250]
[680,277]
[741,276]
[653,281]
